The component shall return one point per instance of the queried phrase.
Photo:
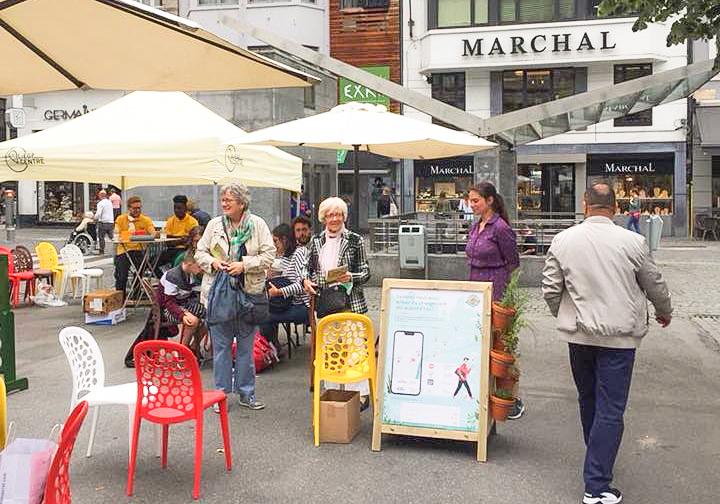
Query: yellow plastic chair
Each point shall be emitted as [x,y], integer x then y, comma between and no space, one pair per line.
[48,257]
[344,353]
[3,413]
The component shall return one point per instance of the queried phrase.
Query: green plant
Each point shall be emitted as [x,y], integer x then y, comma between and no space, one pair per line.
[514,296]
[503,394]
[511,336]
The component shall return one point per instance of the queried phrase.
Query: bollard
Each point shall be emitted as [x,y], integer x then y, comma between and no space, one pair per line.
[10,216]
[7,333]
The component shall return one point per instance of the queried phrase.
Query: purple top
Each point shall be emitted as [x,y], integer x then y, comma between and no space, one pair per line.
[492,254]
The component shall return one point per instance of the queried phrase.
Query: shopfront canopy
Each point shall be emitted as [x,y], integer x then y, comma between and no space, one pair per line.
[148,138]
[52,45]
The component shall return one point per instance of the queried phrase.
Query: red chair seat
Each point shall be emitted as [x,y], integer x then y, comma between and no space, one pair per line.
[211,397]
[23,275]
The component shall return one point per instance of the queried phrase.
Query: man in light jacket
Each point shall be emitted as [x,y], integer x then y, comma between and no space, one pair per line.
[597,280]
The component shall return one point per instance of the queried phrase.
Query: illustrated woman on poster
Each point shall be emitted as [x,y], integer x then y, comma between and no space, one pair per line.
[462,373]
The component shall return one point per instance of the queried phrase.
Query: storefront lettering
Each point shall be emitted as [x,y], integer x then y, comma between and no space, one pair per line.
[18,159]
[629,168]
[64,115]
[458,170]
[563,42]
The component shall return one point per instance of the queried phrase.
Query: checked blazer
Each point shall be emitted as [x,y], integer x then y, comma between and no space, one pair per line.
[351,254]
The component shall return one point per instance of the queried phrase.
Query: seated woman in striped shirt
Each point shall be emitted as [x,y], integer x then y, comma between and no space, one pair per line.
[288,300]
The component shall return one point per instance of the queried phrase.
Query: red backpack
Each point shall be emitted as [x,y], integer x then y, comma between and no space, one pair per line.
[264,353]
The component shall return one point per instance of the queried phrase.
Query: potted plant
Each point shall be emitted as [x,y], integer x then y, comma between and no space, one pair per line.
[501,402]
[500,363]
[508,382]
[505,310]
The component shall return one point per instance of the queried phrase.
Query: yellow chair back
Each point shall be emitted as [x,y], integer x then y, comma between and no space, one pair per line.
[47,255]
[3,413]
[344,353]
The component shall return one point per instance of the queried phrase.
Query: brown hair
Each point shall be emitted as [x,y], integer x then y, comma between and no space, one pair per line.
[487,190]
[132,200]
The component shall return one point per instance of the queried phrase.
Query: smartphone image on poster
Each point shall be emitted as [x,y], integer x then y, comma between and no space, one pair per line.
[406,374]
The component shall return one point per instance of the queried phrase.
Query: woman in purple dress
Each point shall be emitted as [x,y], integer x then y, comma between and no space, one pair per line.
[491,249]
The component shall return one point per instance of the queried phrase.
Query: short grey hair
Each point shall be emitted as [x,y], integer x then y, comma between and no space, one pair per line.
[330,205]
[238,191]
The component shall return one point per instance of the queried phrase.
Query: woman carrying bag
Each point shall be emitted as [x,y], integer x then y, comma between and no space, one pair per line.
[329,253]
[236,249]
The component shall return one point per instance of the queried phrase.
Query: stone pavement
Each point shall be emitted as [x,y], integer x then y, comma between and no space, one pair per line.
[670,452]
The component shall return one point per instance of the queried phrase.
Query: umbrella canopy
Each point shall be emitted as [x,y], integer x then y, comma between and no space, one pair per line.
[148,138]
[373,129]
[52,45]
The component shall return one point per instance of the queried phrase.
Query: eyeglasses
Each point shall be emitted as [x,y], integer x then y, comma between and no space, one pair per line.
[136,208]
[338,215]
[228,200]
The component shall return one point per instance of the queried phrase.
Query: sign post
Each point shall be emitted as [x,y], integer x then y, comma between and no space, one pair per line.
[7,333]
[434,354]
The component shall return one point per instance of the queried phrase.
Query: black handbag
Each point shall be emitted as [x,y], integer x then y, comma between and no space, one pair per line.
[332,300]
[259,312]
[280,304]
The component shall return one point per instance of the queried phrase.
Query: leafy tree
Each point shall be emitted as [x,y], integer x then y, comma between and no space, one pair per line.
[694,19]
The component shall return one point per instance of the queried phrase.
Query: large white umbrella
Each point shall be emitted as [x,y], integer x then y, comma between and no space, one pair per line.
[51,45]
[148,138]
[370,128]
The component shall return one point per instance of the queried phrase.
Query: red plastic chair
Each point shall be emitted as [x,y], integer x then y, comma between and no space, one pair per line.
[24,272]
[15,278]
[169,392]
[57,488]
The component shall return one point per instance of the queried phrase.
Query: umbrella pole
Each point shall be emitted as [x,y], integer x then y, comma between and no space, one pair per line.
[356,192]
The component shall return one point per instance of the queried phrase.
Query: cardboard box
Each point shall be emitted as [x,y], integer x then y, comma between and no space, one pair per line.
[102,302]
[112,318]
[339,416]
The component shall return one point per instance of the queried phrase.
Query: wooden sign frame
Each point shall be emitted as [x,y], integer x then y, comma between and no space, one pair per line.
[484,421]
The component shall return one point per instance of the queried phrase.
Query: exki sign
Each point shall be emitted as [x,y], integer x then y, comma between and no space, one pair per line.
[557,43]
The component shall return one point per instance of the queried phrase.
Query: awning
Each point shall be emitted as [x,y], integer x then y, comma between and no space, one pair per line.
[579,111]
[708,121]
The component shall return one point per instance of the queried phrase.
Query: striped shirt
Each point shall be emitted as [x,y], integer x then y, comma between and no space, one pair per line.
[295,270]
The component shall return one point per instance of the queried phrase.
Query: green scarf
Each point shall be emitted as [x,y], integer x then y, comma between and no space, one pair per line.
[242,234]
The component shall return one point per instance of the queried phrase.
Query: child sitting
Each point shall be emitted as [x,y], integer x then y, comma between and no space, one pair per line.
[178,297]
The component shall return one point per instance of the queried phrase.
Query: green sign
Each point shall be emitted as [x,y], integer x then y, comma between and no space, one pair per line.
[349,91]
[341,155]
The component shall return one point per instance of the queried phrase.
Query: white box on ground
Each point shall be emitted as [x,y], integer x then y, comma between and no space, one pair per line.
[112,318]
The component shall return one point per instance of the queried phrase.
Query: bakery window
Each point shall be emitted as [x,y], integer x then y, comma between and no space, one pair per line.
[440,184]
[648,177]
[60,202]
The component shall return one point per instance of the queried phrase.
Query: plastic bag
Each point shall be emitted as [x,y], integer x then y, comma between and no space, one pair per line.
[24,467]
[45,296]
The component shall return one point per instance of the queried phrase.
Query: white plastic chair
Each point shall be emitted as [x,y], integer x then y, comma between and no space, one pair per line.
[74,264]
[88,373]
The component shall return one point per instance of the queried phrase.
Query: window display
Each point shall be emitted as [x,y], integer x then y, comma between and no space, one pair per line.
[60,202]
[440,184]
[546,190]
[648,178]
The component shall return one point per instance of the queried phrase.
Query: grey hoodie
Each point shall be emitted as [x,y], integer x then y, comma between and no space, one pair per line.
[597,280]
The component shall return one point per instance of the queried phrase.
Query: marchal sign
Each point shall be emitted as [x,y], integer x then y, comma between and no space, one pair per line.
[638,164]
[448,167]
[540,43]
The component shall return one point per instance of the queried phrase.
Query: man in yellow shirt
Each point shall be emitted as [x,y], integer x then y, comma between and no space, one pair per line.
[133,221]
[178,225]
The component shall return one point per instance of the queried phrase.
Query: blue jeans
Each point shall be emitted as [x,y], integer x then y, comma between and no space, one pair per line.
[222,336]
[634,222]
[297,313]
[602,377]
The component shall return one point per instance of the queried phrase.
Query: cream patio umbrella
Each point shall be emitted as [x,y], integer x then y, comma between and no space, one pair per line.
[52,45]
[370,128]
[148,138]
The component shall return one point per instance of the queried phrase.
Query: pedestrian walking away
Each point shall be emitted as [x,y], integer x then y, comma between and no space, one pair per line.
[105,220]
[595,281]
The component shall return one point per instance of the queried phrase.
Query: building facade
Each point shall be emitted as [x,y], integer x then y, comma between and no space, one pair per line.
[303,21]
[489,57]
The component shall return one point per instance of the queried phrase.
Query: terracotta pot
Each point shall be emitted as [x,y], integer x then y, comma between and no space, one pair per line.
[500,363]
[498,342]
[506,383]
[500,408]
[501,317]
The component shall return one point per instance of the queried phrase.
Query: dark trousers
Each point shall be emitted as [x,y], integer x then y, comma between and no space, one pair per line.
[104,229]
[297,313]
[634,223]
[122,268]
[602,377]
[460,385]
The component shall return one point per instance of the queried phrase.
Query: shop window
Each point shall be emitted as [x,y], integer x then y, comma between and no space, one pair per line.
[451,13]
[625,73]
[525,88]
[650,177]
[716,182]
[60,202]
[449,88]
[546,190]
[441,183]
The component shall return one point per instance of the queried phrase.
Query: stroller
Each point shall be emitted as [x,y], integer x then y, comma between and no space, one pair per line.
[85,234]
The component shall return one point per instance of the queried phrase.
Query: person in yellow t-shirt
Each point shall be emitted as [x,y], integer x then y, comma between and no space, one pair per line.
[133,221]
[178,225]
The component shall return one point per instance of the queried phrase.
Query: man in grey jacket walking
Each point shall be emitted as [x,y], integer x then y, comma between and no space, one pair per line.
[597,280]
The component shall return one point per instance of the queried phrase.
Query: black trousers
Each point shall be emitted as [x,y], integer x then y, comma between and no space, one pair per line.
[460,385]
[122,268]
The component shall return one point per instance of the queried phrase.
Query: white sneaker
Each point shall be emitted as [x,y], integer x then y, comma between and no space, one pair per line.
[611,496]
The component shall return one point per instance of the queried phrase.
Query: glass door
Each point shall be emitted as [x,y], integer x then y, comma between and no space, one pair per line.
[561,193]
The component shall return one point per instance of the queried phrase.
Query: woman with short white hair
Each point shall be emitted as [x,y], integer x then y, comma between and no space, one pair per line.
[239,243]
[338,247]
